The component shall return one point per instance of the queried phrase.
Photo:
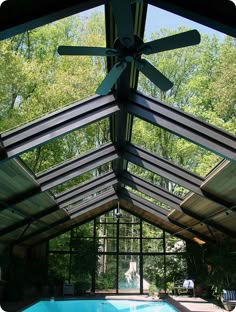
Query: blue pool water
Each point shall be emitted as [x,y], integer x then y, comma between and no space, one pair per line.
[100,306]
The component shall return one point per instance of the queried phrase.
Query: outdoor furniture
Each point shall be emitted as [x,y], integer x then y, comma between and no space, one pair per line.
[183,286]
[68,289]
[229,299]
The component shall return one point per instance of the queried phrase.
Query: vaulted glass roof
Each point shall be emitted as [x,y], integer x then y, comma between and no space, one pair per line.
[69,155]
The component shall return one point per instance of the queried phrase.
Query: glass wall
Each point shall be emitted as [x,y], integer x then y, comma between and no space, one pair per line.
[116,253]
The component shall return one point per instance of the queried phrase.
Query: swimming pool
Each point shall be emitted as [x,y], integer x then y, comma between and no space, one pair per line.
[100,306]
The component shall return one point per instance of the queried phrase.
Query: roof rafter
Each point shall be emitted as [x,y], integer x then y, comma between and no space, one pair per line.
[57,124]
[143,203]
[29,219]
[155,210]
[84,208]
[183,125]
[78,166]
[166,169]
[93,203]
[86,189]
[17,19]
[190,229]
[171,200]
[151,190]
[162,167]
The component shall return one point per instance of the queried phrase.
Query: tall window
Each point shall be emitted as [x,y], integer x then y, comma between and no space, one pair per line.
[117,253]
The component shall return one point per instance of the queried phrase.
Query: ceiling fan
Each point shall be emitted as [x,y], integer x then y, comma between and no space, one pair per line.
[128,48]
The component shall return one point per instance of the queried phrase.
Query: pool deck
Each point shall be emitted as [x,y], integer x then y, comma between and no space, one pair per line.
[182,303]
[194,304]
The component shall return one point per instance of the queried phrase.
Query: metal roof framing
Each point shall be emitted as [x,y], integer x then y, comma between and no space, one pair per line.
[151,190]
[76,167]
[183,125]
[100,194]
[57,124]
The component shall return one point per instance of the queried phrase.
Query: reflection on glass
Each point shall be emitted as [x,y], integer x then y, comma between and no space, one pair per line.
[106,276]
[129,278]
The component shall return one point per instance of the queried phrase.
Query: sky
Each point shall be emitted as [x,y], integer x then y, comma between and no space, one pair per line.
[158,18]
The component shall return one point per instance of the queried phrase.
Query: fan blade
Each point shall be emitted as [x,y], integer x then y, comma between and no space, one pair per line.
[181,40]
[122,12]
[94,51]
[154,75]
[111,78]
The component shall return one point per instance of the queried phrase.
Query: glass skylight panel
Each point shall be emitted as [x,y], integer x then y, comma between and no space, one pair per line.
[70,146]
[36,80]
[203,75]
[175,149]
[157,180]
[150,199]
[83,178]
[87,198]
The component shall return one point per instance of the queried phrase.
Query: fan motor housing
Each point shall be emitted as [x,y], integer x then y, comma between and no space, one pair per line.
[129,53]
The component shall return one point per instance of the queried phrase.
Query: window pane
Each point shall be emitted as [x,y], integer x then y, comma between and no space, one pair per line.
[153,272]
[84,230]
[36,80]
[153,245]
[61,242]
[58,267]
[129,278]
[129,245]
[174,244]
[82,266]
[152,231]
[157,180]
[106,230]
[176,269]
[107,245]
[173,148]
[203,75]
[129,230]
[106,278]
